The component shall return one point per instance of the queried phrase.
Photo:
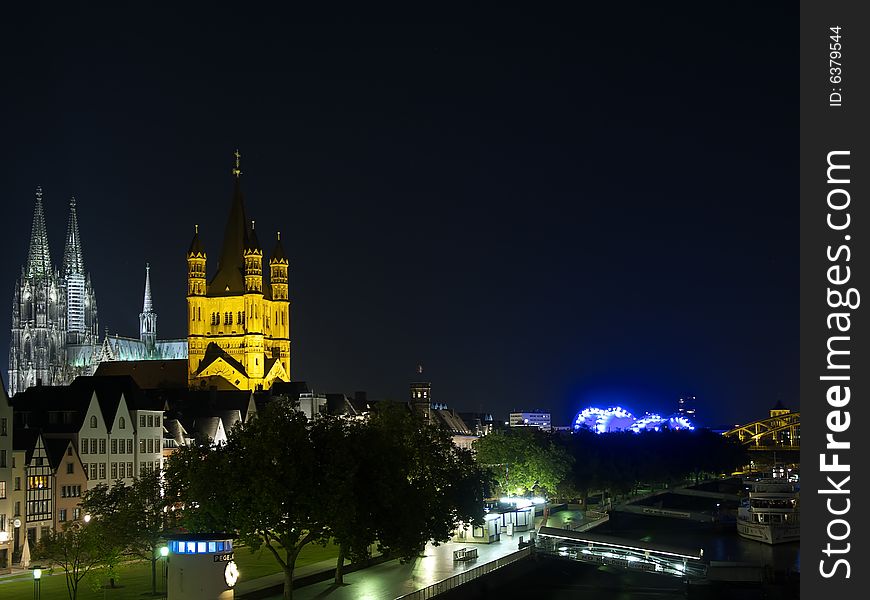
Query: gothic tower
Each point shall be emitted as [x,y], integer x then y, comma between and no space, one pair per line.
[81,303]
[148,318]
[82,328]
[39,314]
[238,329]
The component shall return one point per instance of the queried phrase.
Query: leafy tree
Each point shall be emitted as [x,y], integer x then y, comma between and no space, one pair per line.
[524,460]
[104,507]
[282,483]
[133,516]
[427,485]
[262,483]
[78,548]
[393,480]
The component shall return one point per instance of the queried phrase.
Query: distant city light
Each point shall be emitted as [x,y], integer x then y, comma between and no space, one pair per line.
[616,418]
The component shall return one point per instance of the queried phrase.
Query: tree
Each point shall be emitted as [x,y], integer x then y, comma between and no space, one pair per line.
[524,460]
[78,548]
[145,510]
[133,516]
[282,483]
[392,480]
[425,486]
[262,484]
[104,507]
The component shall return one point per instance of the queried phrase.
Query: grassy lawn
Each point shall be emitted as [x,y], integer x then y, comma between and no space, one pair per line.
[135,578]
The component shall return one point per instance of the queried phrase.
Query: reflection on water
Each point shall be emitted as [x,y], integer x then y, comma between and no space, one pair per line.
[719,543]
[564,580]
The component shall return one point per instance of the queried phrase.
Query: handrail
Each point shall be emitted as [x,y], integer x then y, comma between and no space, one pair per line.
[431,591]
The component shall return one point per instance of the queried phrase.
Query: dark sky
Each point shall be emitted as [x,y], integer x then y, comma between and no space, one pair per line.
[601,209]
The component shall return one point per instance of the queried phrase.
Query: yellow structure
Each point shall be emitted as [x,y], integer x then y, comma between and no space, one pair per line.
[238,327]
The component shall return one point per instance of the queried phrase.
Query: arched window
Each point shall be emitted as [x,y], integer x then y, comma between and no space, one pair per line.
[93,422]
[122,424]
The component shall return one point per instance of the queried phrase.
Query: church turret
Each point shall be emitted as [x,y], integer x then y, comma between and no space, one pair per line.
[148,318]
[253,262]
[196,266]
[278,264]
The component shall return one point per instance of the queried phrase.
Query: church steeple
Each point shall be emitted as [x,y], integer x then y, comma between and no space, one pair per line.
[231,265]
[147,305]
[73,261]
[39,257]
[148,318]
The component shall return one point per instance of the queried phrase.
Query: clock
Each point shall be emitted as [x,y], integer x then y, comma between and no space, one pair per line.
[231,573]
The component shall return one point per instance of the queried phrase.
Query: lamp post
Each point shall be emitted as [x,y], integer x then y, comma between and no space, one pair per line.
[164,553]
[37,581]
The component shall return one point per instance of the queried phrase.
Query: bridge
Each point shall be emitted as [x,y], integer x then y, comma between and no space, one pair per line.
[632,555]
[780,431]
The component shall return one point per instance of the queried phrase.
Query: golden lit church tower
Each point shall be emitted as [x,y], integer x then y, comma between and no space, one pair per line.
[238,328]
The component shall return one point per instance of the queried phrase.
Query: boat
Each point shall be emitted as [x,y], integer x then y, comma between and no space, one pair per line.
[771,511]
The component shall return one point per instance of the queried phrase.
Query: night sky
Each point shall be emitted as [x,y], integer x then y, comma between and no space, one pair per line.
[600,210]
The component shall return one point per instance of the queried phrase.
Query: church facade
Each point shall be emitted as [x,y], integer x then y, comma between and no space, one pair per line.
[238,322]
[51,309]
[55,335]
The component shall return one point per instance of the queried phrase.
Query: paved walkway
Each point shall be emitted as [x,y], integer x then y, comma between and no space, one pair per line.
[390,580]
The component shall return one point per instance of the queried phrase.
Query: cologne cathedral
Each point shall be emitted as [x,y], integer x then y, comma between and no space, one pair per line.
[55,336]
[51,309]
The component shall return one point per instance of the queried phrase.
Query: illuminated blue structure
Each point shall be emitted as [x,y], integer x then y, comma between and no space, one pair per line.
[616,418]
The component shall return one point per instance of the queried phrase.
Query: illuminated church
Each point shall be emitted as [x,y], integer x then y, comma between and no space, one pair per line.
[55,336]
[51,310]
[238,324]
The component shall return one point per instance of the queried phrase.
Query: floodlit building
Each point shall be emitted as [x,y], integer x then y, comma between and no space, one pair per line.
[54,312]
[238,325]
[538,418]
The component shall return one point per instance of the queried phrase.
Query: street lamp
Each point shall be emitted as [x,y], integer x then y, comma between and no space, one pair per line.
[37,581]
[164,553]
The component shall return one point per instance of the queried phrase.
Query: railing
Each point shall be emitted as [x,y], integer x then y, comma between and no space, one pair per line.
[455,581]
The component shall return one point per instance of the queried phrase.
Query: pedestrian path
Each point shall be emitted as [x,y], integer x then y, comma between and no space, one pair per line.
[391,579]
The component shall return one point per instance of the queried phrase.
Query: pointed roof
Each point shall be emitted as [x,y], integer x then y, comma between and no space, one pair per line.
[230,271]
[278,252]
[195,245]
[147,305]
[214,352]
[73,261]
[251,240]
[39,257]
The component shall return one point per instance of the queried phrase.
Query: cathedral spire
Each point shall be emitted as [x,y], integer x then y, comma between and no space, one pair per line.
[73,261]
[147,306]
[148,318]
[39,257]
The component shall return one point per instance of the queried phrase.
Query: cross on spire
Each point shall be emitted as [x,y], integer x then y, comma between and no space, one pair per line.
[237,170]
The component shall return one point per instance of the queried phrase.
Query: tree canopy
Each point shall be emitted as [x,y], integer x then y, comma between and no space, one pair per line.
[524,460]
[281,482]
